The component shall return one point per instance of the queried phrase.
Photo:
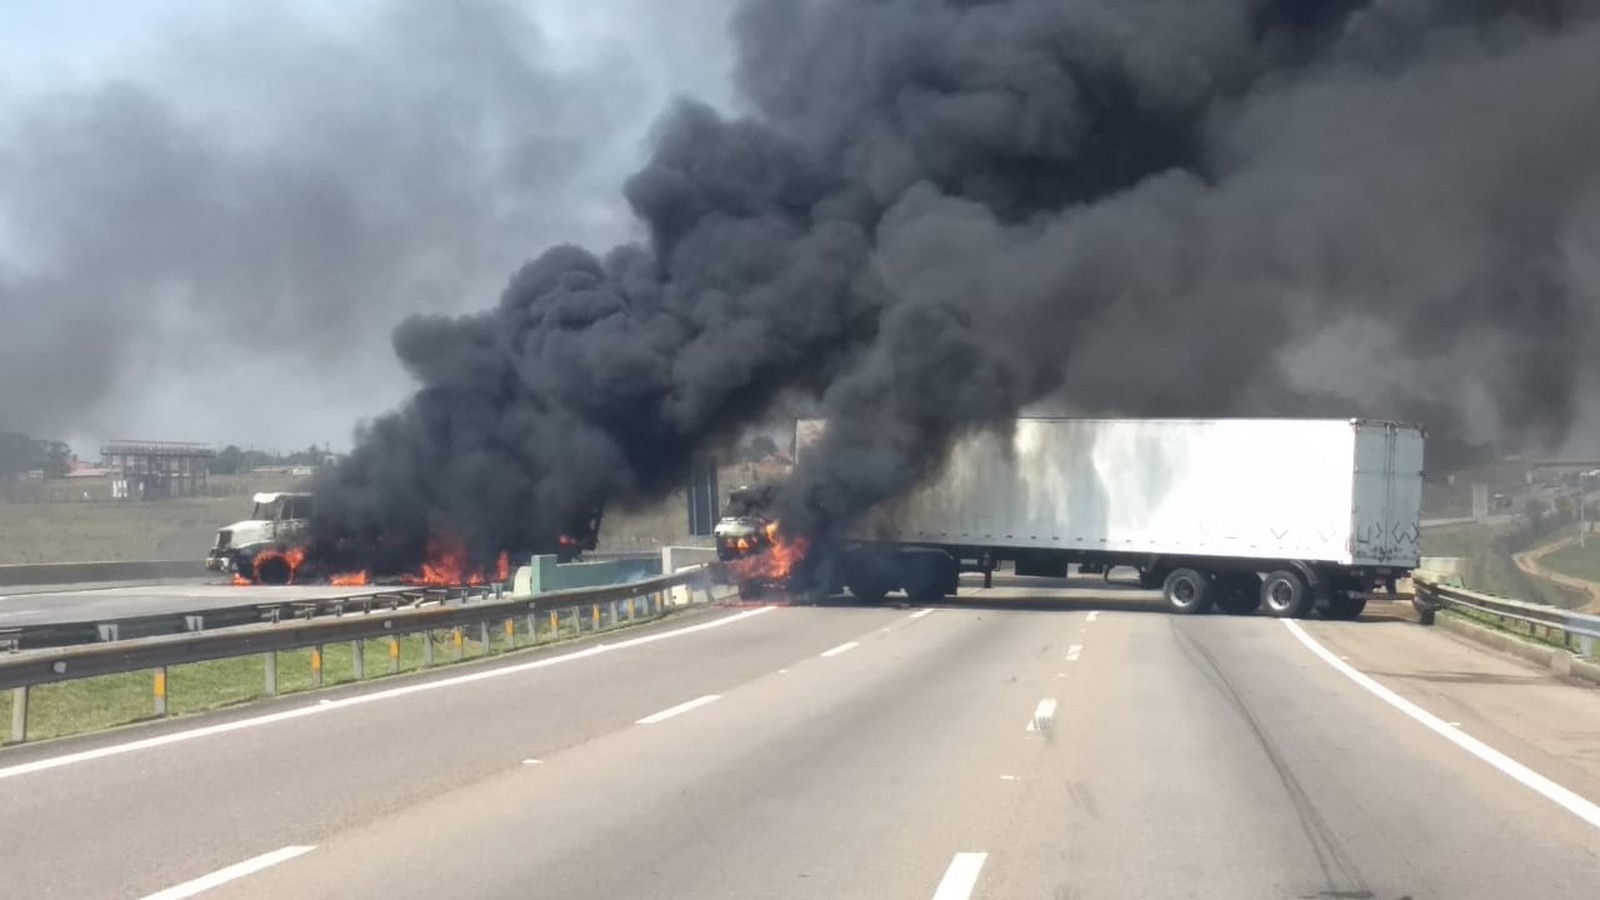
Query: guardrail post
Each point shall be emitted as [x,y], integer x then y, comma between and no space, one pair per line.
[615,612]
[19,714]
[533,628]
[161,691]
[1585,646]
[394,655]
[358,659]
[511,633]
[427,649]
[460,640]
[483,636]
[269,663]
[316,666]
[597,617]
[555,624]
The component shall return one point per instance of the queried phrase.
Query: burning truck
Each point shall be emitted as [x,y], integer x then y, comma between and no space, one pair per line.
[275,546]
[1293,516]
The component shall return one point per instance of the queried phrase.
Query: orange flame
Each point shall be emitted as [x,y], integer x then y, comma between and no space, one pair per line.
[447,565]
[350,579]
[777,563]
[291,558]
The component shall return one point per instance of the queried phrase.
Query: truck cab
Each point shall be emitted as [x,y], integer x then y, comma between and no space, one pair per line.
[278,520]
[743,529]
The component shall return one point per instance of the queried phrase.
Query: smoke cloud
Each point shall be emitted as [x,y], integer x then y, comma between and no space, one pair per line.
[939,214]
[211,237]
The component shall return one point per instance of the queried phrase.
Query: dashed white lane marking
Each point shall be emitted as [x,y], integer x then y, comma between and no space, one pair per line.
[846,647]
[1073,652]
[1093,614]
[960,877]
[1580,806]
[324,706]
[1044,715]
[920,613]
[678,710]
[533,762]
[231,873]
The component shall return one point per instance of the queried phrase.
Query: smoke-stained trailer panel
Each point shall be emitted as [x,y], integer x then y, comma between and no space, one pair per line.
[1336,491]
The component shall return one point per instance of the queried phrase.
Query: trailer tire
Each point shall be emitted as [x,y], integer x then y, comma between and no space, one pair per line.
[1188,591]
[1239,593]
[868,591]
[1344,607]
[1286,595]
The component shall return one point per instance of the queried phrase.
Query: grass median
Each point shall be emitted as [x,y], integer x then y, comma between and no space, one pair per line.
[95,704]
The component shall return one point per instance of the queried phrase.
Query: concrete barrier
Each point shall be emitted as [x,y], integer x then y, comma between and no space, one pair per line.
[543,573]
[111,570]
[679,559]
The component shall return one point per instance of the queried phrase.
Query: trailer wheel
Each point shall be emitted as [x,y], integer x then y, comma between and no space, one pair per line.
[1239,593]
[1342,606]
[1188,591]
[1286,595]
[868,591]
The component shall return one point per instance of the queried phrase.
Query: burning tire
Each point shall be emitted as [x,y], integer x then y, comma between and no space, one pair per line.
[273,569]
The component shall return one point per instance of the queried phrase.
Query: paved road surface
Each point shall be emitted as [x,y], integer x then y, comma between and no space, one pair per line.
[21,605]
[1032,749]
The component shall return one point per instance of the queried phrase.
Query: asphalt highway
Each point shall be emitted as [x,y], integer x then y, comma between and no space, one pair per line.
[23,605]
[1016,744]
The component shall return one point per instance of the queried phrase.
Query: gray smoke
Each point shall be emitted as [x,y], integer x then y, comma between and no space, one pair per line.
[942,213]
[242,215]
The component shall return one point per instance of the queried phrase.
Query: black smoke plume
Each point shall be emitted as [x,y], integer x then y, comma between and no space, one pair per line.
[943,213]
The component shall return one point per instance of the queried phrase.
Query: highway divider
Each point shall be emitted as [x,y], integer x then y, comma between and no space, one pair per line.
[98,572]
[512,622]
[1566,641]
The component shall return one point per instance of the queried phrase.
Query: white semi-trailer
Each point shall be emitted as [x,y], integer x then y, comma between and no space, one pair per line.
[1294,515]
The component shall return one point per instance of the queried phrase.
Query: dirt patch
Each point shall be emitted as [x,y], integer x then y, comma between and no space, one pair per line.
[1534,563]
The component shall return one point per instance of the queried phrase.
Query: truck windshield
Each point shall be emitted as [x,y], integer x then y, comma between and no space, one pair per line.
[265,512]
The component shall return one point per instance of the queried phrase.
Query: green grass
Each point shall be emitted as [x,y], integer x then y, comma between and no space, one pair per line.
[1533,634]
[1578,562]
[1488,565]
[95,704]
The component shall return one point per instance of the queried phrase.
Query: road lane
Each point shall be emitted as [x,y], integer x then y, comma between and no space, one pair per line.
[188,808]
[1215,757]
[1078,753]
[1182,757]
[853,775]
[89,603]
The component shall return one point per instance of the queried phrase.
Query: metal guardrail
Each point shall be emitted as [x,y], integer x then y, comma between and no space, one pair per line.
[24,670]
[1578,632]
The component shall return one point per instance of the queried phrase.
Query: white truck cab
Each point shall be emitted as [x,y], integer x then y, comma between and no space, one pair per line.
[278,521]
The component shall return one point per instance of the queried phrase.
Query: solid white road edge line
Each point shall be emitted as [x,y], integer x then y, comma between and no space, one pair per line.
[961,877]
[678,710]
[53,762]
[920,613]
[231,873]
[1073,652]
[845,647]
[1567,799]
